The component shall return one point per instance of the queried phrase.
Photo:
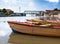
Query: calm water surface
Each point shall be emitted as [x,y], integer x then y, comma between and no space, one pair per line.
[17,38]
[20,18]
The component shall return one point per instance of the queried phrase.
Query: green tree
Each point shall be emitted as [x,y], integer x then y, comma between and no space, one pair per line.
[0,10]
[56,9]
[55,12]
[5,12]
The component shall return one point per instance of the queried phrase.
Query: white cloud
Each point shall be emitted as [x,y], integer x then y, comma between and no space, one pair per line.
[31,6]
[27,5]
[53,1]
[15,4]
[9,1]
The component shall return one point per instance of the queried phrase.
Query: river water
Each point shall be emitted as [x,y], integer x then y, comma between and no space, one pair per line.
[20,18]
[18,38]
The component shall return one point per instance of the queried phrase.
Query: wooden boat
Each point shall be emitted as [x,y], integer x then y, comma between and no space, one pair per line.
[35,29]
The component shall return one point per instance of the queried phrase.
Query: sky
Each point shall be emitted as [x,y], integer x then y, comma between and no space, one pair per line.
[22,5]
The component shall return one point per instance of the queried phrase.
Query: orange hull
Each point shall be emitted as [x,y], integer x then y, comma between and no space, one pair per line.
[35,30]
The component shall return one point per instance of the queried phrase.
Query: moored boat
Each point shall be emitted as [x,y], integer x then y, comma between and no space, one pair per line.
[29,28]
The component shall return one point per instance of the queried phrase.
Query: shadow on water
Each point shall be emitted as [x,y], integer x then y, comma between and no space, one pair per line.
[22,38]
[34,34]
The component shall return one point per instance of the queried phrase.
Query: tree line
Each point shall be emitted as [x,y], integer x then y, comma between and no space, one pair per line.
[5,12]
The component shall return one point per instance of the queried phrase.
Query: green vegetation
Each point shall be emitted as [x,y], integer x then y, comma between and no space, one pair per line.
[5,12]
[0,10]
